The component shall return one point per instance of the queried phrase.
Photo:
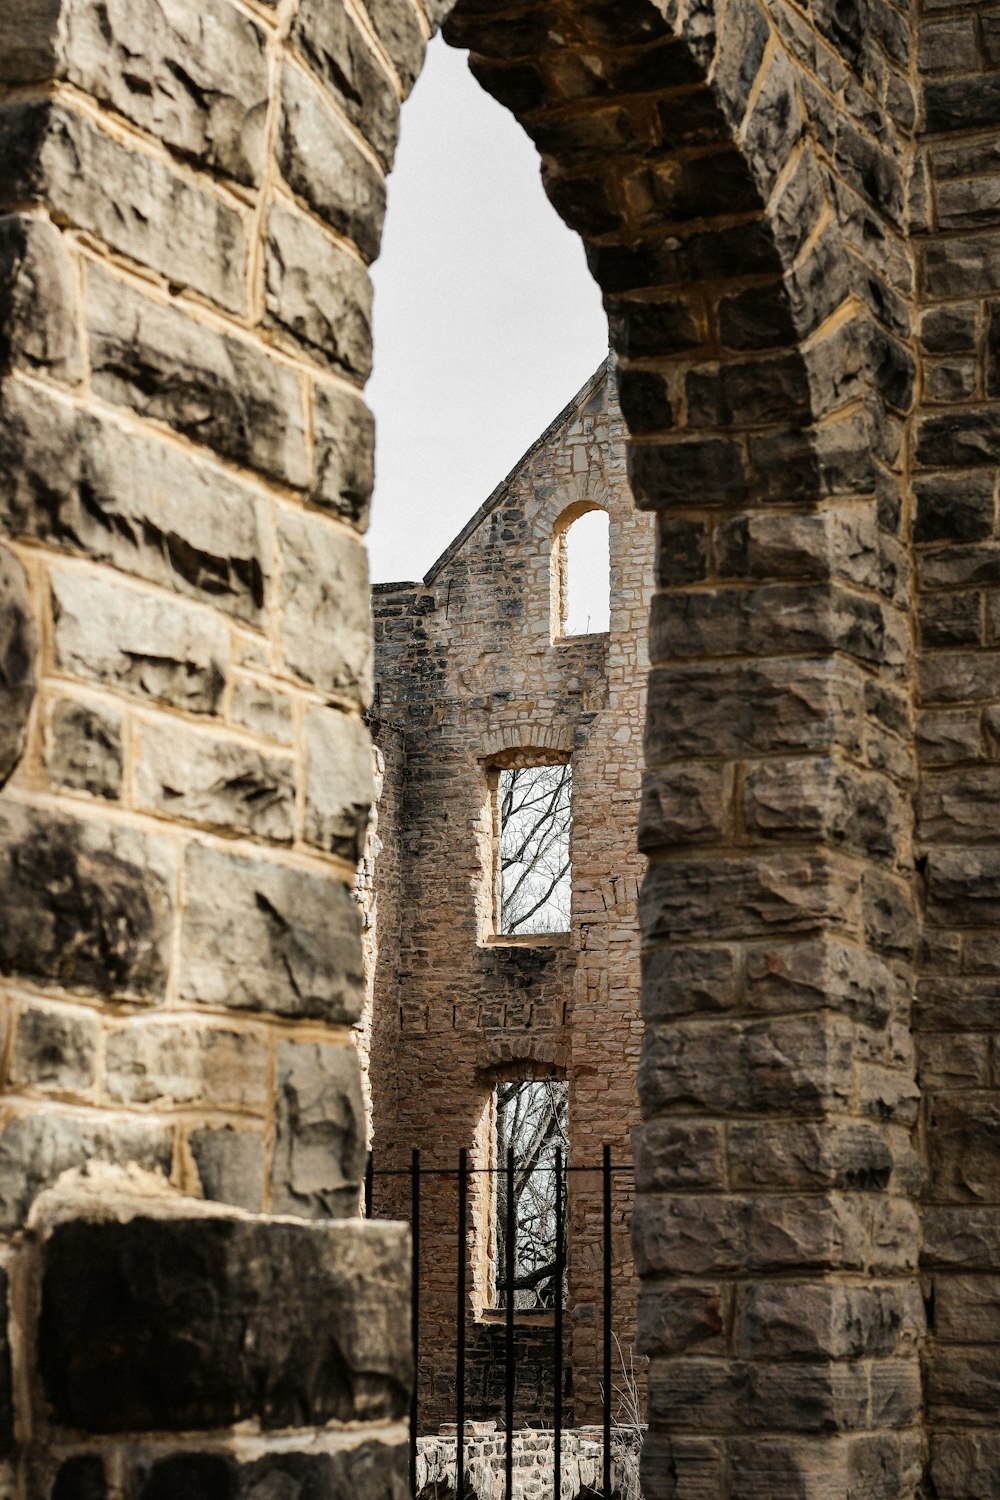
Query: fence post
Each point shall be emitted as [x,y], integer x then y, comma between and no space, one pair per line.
[558,1351]
[369,1184]
[463,1156]
[414,1308]
[606,1175]
[509,1333]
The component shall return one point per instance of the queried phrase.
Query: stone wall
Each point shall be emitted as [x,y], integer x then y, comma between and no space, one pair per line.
[791,212]
[470,674]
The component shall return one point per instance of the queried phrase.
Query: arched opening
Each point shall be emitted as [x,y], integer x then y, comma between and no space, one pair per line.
[581,572]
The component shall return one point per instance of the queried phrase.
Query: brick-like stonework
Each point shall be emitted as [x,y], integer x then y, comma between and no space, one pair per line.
[791,210]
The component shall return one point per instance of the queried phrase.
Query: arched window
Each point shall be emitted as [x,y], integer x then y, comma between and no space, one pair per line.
[581,572]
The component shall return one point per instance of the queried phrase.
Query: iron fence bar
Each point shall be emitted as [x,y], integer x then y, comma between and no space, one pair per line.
[369,1184]
[606,1184]
[414,1308]
[509,1335]
[558,1350]
[463,1188]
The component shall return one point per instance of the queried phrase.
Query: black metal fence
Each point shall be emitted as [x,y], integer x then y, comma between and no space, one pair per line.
[417,1174]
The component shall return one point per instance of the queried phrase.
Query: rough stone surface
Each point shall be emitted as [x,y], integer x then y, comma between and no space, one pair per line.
[56,1049]
[230,1165]
[369,1471]
[84,747]
[319,1155]
[18,649]
[318,294]
[176,1063]
[339,791]
[38,324]
[326,631]
[35,1149]
[269,937]
[214,780]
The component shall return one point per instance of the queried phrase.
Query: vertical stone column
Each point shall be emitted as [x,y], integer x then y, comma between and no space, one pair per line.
[189,199]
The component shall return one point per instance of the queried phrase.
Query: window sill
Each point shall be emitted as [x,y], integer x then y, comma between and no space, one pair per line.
[527,940]
[542,1317]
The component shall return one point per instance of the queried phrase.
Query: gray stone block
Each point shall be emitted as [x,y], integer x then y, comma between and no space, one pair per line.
[175,1063]
[323,165]
[339,784]
[344,437]
[155,647]
[221,391]
[193,75]
[129,200]
[214,780]
[319,1152]
[35,1149]
[319,294]
[55,1049]
[326,626]
[78,481]
[269,937]
[87,906]
[39,295]
[189,1324]
[263,710]
[18,649]
[83,748]
[333,45]
[230,1163]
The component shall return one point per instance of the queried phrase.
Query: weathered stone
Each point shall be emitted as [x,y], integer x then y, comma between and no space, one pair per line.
[325,624]
[39,326]
[230,1164]
[821,799]
[319,1152]
[157,648]
[833,543]
[221,391]
[84,747]
[126,198]
[683,981]
[197,1323]
[36,1149]
[87,906]
[27,40]
[963,887]
[319,294]
[735,708]
[323,165]
[832,1155]
[263,710]
[824,973]
[339,787]
[674,1319]
[366,1471]
[678,1155]
[400,33]
[332,43]
[18,649]
[55,1049]
[683,804]
[963,1137]
[961,1238]
[344,435]
[966,1464]
[739,898]
[171,1063]
[269,937]
[214,780]
[78,481]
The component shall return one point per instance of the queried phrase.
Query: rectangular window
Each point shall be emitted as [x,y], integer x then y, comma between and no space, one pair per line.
[531,1117]
[533,875]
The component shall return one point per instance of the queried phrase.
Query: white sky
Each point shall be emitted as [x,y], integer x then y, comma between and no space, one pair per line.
[486,319]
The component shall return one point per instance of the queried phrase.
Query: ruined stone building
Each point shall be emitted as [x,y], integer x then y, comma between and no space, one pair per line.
[791,207]
[476,676]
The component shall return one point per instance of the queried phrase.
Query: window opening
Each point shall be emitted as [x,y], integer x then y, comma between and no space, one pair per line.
[531,1116]
[583,572]
[533,876]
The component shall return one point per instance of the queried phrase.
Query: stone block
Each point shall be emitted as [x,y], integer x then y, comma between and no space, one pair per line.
[961,1237]
[749,392]
[87,906]
[215,389]
[270,937]
[263,710]
[339,784]
[39,321]
[157,648]
[961,103]
[966,1464]
[960,805]
[332,43]
[688,1235]
[683,981]
[807,1320]
[963,1135]
[963,1385]
[194,76]
[808,1232]
[326,627]
[823,973]
[230,1164]
[963,887]
[77,481]
[683,805]
[964,267]
[55,1049]
[366,1471]
[672,1320]
[175,1063]
[323,165]
[834,1155]
[214,780]
[344,437]
[826,800]
[131,201]
[667,474]
[957,677]
[319,294]
[398,28]
[320,1148]
[83,747]
[949,330]
[735,708]
[677,1155]
[187,1324]
[744,898]
[35,1149]
[18,650]
[831,543]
